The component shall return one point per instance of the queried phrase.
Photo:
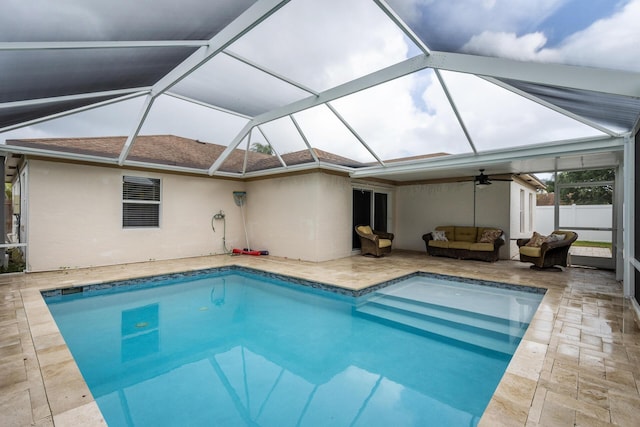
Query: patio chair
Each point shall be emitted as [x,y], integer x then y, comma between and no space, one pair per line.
[374,242]
[546,253]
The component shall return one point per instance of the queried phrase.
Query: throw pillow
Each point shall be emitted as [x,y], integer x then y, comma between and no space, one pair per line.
[489,236]
[536,240]
[554,238]
[439,235]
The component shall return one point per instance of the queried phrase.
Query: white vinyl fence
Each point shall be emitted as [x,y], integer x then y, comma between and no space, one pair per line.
[578,216]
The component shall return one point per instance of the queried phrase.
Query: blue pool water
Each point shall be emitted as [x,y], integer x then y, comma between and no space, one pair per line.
[234,349]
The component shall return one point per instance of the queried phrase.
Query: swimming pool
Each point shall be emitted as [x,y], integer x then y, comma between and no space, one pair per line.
[232,347]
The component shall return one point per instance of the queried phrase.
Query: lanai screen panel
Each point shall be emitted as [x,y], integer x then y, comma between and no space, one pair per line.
[498,118]
[116,20]
[618,112]
[48,73]
[406,117]
[231,84]
[25,113]
[326,131]
[46,62]
[115,119]
[321,44]
[193,121]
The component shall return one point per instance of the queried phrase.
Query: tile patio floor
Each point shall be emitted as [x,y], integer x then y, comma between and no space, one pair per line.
[578,364]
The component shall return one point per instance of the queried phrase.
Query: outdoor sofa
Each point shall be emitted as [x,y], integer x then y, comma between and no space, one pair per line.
[480,243]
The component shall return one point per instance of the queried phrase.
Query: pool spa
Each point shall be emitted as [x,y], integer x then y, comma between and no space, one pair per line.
[235,346]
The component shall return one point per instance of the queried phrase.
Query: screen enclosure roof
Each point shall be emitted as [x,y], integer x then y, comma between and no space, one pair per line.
[405,90]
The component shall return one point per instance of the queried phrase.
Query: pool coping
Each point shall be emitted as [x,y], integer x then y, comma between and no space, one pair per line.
[161,279]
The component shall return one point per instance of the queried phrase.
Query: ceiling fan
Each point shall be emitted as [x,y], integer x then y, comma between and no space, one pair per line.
[483,180]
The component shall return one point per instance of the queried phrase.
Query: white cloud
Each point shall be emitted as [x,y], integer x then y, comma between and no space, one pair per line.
[609,43]
[448,25]
[509,45]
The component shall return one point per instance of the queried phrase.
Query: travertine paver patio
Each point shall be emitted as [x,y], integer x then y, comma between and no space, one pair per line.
[578,364]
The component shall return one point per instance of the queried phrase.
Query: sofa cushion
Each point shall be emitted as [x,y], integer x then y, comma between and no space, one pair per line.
[365,229]
[448,231]
[465,234]
[530,251]
[460,245]
[384,243]
[439,235]
[482,247]
[489,235]
[439,243]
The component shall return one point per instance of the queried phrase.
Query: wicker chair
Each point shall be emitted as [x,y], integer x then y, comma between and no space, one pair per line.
[374,242]
[551,254]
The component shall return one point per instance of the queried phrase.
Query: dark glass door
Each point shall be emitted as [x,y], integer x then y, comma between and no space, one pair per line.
[361,212]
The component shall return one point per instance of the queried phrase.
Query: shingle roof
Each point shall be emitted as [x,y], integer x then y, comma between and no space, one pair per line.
[178,151]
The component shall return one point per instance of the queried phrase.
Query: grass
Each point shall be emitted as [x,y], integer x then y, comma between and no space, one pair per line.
[591,244]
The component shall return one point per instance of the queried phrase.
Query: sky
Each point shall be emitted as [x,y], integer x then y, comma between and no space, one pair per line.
[324,44]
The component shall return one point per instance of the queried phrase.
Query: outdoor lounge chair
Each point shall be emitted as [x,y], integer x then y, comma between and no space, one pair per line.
[547,252]
[374,242]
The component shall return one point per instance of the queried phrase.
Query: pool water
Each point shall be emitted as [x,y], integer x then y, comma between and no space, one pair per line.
[235,349]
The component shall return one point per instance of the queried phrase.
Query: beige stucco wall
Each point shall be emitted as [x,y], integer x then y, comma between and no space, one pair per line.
[75,217]
[305,217]
[421,208]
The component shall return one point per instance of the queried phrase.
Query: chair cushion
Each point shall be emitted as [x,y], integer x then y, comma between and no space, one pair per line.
[536,240]
[439,243]
[384,243]
[365,229]
[460,245]
[482,247]
[555,237]
[465,234]
[530,251]
[448,231]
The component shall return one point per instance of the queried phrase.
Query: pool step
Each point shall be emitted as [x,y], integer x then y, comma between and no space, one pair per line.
[480,330]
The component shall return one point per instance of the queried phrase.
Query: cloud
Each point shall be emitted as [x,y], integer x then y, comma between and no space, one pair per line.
[448,25]
[508,45]
[608,42]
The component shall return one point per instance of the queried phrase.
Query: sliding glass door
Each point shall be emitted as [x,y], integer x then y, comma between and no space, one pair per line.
[369,208]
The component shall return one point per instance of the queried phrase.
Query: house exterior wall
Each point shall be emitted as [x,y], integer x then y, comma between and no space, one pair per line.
[305,217]
[421,208]
[75,217]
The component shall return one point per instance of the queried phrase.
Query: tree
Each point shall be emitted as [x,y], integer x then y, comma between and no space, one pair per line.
[584,195]
[262,148]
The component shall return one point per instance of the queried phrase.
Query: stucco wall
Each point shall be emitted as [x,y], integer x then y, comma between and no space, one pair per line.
[304,217]
[75,217]
[421,208]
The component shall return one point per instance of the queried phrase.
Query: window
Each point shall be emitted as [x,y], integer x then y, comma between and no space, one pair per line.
[140,202]
[532,206]
[522,211]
